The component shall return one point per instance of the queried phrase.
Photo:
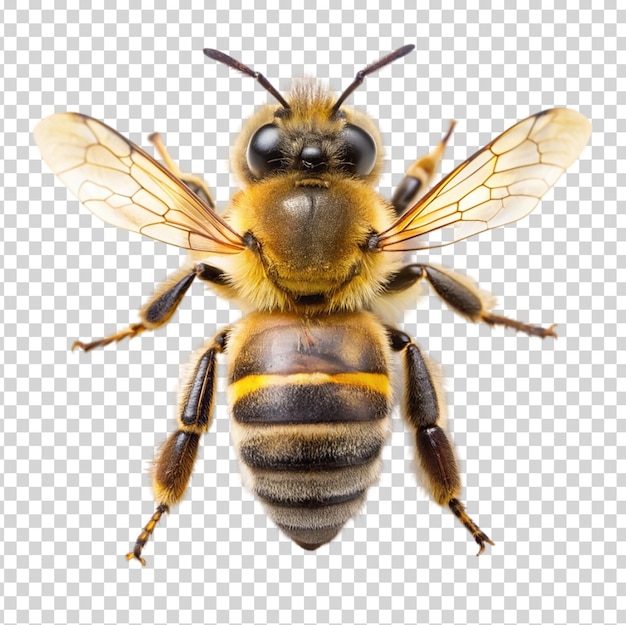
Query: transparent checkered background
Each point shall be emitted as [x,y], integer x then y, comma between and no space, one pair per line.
[535,423]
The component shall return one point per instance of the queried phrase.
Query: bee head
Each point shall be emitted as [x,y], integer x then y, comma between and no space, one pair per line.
[309,133]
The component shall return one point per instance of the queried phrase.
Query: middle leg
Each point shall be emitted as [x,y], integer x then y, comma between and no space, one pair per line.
[163,303]
[462,295]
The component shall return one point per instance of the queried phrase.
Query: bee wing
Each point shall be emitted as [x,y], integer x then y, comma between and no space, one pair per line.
[125,187]
[501,183]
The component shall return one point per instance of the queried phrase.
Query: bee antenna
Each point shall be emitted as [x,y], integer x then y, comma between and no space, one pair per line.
[360,76]
[216,55]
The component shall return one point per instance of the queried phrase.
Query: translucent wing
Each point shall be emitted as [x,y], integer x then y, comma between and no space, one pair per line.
[121,184]
[501,183]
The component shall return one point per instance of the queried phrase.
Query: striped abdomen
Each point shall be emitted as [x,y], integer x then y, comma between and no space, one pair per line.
[310,401]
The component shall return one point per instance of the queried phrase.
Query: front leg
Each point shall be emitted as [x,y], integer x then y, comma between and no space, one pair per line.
[462,295]
[418,176]
[195,183]
[422,409]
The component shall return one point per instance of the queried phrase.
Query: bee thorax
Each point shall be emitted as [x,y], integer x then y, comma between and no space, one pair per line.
[310,226]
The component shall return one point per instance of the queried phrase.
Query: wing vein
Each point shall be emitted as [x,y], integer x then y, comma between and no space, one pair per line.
[91,158]
[464,203]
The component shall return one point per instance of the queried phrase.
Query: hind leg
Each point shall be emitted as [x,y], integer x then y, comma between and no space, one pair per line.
[174,463]
[423,410]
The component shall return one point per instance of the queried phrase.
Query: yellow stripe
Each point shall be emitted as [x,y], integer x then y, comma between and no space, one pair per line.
[377,382]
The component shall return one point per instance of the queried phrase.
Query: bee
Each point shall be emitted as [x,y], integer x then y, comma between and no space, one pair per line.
[315,258]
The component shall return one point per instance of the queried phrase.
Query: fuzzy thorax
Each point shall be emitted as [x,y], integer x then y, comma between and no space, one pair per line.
[310,245]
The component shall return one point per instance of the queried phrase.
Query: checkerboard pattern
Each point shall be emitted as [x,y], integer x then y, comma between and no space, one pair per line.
[535,422]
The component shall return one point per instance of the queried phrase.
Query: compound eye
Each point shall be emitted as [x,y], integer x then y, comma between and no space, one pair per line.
[359,156]
[264,155]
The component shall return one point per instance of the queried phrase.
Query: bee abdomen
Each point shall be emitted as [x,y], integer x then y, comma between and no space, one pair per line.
[310,401]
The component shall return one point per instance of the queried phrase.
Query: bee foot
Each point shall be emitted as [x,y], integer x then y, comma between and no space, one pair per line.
[135,555]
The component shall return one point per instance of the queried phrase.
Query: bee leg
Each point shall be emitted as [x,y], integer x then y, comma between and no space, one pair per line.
[159,309]
[211,274]
[129,332]
[195,183]
[418,176]
[404,279]
[174,463]
[142,539]
[462,295]
[423,409]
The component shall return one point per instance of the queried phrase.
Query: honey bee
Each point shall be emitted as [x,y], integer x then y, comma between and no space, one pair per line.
[314,257]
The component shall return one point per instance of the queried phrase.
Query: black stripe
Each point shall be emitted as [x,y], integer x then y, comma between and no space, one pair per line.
[311,504]
[312,403]
[308,455]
